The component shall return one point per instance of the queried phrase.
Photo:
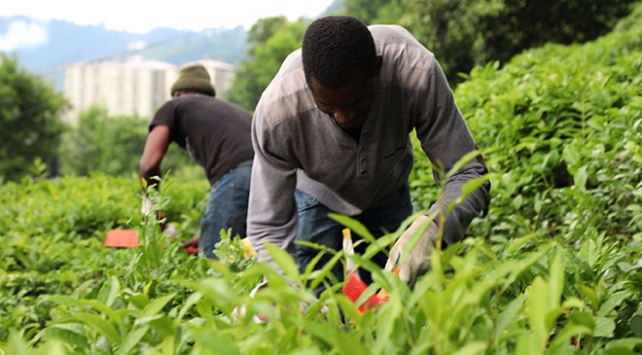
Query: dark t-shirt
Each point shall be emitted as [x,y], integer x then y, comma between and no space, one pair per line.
[215,133]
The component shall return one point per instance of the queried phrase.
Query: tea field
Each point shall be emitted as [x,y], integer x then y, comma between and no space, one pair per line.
[555,266]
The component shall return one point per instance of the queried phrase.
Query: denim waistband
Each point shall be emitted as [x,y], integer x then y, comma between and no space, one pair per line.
[244,164]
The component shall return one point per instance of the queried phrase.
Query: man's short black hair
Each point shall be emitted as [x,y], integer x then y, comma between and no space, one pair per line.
[335,48]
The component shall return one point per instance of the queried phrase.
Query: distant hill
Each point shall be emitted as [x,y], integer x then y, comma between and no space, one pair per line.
[335,8]
[51,45]
[58,43]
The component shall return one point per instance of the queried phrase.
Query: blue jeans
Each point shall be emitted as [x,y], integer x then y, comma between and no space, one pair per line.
[315,226]
[227,208]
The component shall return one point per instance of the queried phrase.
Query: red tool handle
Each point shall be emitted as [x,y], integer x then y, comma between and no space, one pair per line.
[191,250]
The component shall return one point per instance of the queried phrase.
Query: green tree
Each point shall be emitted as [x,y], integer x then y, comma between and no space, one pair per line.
[466,33]
[270,41]
[376,11]
[98,142]
[30,111]
[110,144]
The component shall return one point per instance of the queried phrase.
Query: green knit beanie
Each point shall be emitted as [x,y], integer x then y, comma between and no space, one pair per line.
[194,78]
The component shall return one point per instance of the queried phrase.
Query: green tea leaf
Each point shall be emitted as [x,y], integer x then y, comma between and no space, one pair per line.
[537,308]
[580,178]
[354,225]
[604,327]
[16,345]
[104,309]
[517,243]
[132,339]
[556,282]
[285,262]
[154,307]
[205,341]
[218,291]
[563,337]
[528,344]
[613,301]
[69,301]
[507,317]
[584,320]
[636,325]
[100,325]
[65,334]
[139,300]
[191,300]
[626,343]
[475,347]
[570,155]
[386,325]
[325,270]
[349,344]
[319,330]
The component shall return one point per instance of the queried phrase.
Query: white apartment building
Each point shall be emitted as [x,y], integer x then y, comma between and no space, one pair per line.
[133,86]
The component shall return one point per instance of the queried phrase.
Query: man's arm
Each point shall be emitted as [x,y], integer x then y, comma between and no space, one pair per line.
[155,148]
[445,138]
[272,215]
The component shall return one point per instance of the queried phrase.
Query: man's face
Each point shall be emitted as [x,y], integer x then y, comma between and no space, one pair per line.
[349,104]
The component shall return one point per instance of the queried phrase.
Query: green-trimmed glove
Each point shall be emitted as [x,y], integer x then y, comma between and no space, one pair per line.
[414,261]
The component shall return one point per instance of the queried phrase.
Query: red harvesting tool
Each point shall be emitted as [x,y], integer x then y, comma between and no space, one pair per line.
[354,287]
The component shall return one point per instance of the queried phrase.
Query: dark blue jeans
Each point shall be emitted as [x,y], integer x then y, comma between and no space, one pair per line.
[227,208]
[315,226]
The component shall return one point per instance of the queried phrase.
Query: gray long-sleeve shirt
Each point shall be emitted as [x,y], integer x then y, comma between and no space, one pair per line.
[298,146]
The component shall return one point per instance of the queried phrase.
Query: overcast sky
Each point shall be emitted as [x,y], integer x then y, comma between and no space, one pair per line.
[140,16]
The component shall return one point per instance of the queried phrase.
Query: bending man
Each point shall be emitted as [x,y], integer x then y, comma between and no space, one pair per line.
[331,134]
[216,134]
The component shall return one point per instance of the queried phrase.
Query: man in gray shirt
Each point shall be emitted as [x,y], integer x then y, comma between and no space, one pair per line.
[331,134]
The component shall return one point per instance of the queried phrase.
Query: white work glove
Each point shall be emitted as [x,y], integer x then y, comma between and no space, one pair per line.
[170,231]
[239,312]
[147,206]
[417,262]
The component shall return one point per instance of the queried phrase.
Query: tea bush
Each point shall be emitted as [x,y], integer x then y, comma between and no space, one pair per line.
[53,233]
[560,125]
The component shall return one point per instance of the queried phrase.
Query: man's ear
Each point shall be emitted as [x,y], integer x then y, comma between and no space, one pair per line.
[379,64]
